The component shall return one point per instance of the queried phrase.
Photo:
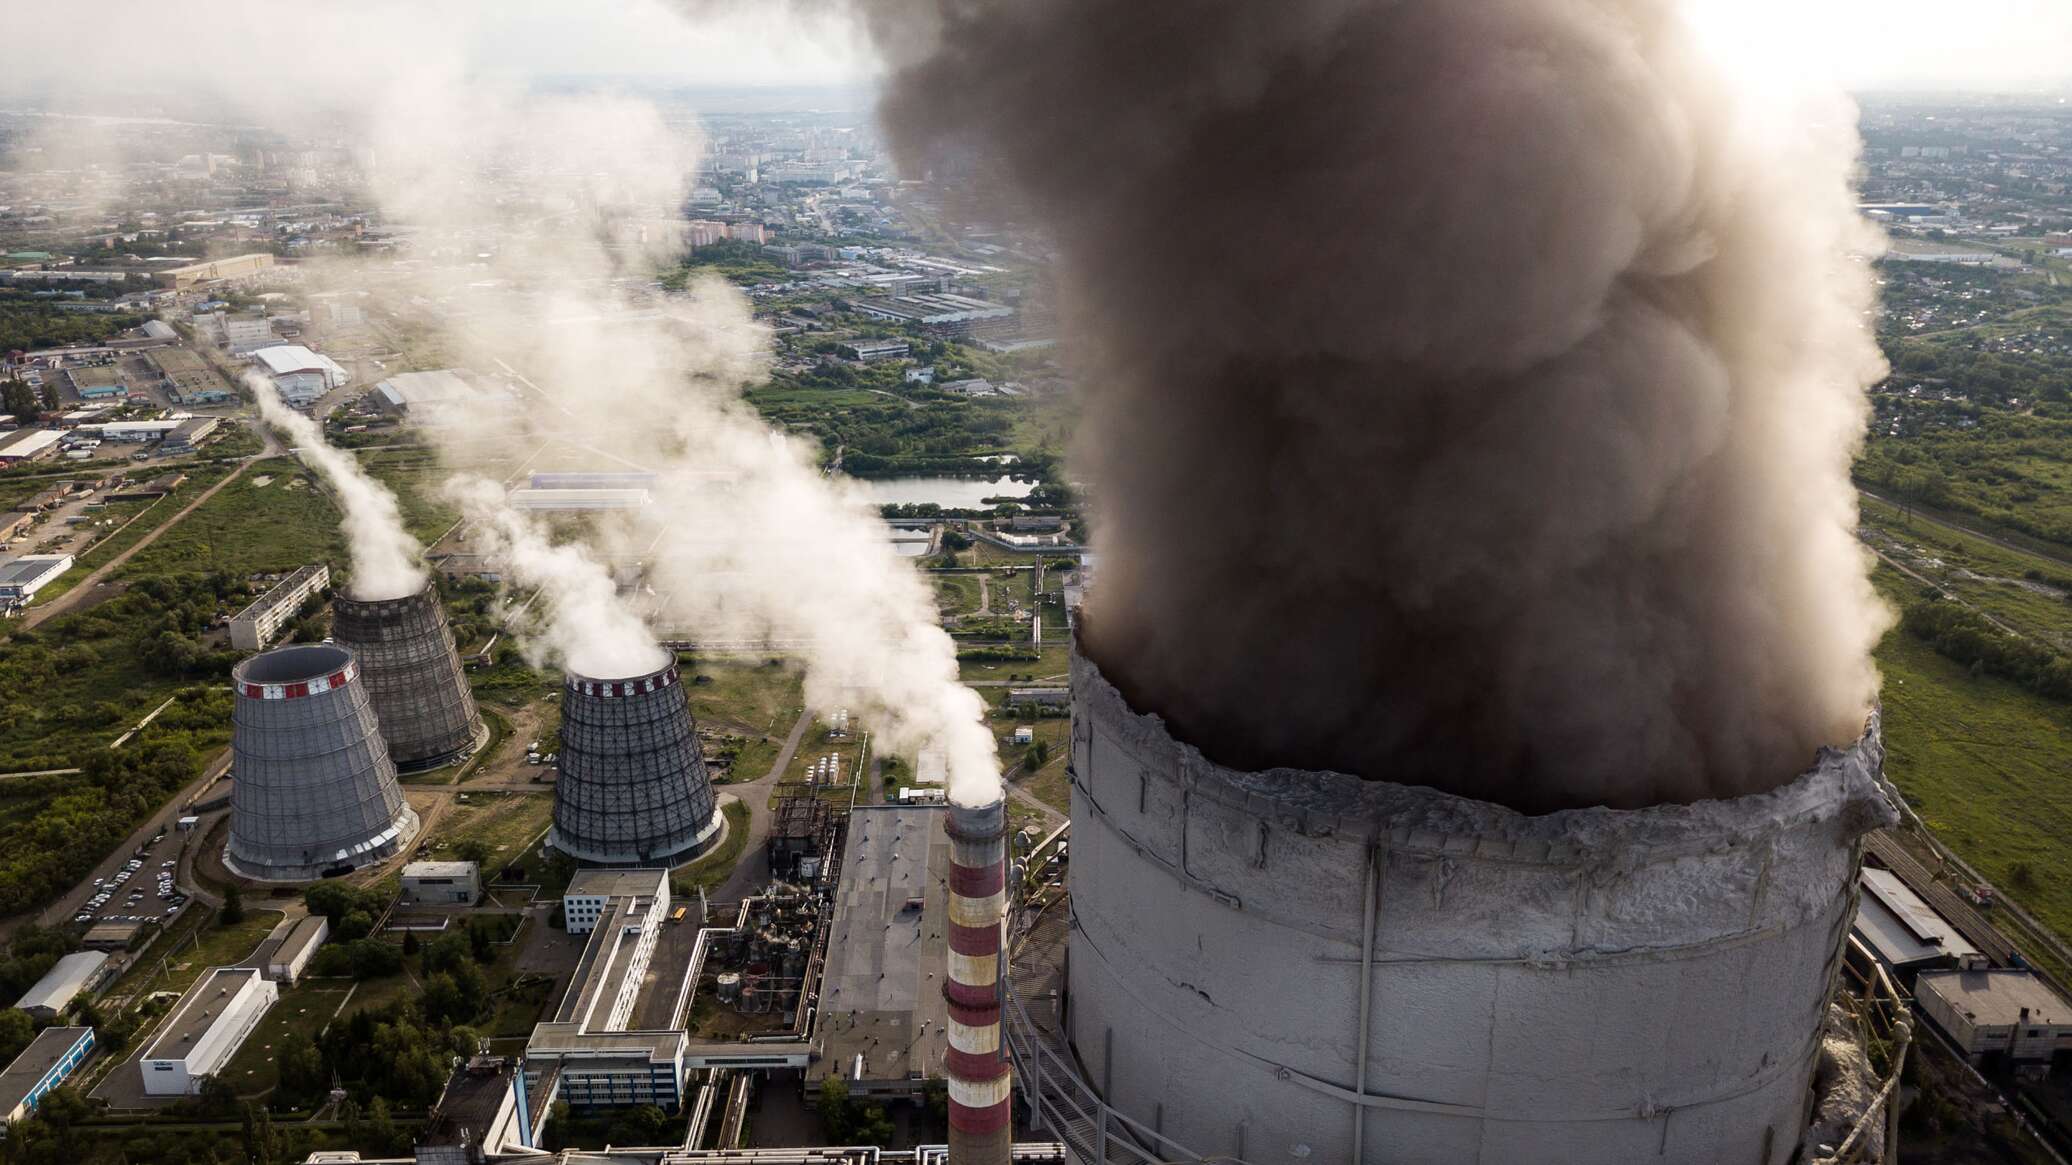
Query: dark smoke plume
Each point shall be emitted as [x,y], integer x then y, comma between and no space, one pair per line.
[1471,384]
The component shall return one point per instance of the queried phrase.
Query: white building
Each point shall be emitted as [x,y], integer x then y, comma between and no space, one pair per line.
[1904,932]
[441,883]
[21,578]
[2008,1013]
[244,333]
[255,626]
[590,892]
[207,1026]
[578,499]
[300,375]
[59,986]
[47,1062]
[289,959]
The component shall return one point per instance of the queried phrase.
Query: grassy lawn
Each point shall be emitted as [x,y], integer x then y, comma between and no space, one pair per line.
[1054,661]
[248,528]
[193,945]
[1984,763]
[415,475]
[154,514]
[745,696]
[712,869]
[304,1009]
[955,594]
[508,823]
[2010,585]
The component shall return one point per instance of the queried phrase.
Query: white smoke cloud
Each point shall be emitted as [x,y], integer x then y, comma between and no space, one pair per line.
[387,563]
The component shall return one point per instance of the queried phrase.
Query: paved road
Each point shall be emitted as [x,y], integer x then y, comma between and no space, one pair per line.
[79,593]
[754,867]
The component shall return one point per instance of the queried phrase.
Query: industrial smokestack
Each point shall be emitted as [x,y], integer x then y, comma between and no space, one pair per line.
[633,787]
[981,1080]
[315,790]
[413,675]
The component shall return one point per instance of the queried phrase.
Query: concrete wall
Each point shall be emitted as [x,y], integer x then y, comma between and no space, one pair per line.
[1590,987]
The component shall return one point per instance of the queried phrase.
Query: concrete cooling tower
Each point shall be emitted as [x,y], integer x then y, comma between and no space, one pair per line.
[1291,965]
[315,790]
[633,787]
[413,674]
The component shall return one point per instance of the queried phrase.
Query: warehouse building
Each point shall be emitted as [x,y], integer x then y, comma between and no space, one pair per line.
[950,316]
[97,382]
[24,445]
[441,883]
[234,267]
[1905,933]
[298,374]
[207,1027]
[441,396]
[2003,1014]
[255,626]
[286,963]
[60,985]
[49,1060]
[549,500]
[21,578]
[189,433]
[872,351]
[182,374]
[246,333]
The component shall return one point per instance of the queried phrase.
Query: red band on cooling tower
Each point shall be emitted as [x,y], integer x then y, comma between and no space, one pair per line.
[973,1067]
[965,995]
[975,940]
[977,881]
[614,689]
[990,1119]
[296,691]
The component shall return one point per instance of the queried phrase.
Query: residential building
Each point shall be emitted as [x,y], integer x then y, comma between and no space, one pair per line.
[60,985]
[441,883]
[52,1057]
[255,626]
[206,1028]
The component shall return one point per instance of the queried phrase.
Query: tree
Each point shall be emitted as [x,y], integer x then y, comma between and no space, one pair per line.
[473,850]
[372,958]
[410,943]
[302,1075]
[16,1030]
[233,907]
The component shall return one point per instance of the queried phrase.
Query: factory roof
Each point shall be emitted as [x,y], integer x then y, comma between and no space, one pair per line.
[198,1011]
[63,981]
[439,870]
[617,883]
[881,996]
[1902,928]
[28,1070]
[30,567]
[1996,998]
[579,499]
[284,359]
[306,933]
[29,442]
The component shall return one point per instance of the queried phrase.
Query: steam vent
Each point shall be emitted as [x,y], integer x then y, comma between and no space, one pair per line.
[315,791]
[633,787]
[1303,965]
[413,675]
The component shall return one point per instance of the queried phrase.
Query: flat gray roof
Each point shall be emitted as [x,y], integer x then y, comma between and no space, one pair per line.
[305,932]
[36,1061]
[198,1011]
[1996,998]
[617,883]
[1903,928]
[439,869]
[63,980]
[881,995]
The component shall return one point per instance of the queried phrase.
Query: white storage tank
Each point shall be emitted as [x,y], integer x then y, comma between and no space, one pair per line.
[1297,965]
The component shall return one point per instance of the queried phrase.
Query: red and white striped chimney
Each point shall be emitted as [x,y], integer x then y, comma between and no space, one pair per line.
[981,1080]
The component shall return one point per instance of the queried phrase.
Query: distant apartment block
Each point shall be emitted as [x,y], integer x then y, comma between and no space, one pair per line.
[256,625]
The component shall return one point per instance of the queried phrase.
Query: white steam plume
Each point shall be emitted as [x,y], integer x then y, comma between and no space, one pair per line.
[387,562]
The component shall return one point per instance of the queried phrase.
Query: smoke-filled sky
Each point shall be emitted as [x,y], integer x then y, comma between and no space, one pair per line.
[1471,387]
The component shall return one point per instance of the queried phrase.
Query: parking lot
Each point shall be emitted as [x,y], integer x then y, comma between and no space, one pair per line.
[139,888]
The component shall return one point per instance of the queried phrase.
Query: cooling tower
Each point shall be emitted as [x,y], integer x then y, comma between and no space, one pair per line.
[315,790]
[1303,965]
[413,675]
[633,787]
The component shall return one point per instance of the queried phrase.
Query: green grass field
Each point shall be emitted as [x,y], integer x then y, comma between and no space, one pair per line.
[1985,764]
[712,869]
[744,696]
[194,944]
[247,528]
[505,822]
[2009,585]
[304,1009]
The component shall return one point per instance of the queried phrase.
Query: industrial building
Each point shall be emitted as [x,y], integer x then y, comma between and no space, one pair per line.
[1905,933]
[884,1021]
[1308,965]
[633,789]
[52,994]
[413,675]
[96,382]
[300,375]
[49,1060]
[205,1030]
[188,434]
[256,625]
[183,375]
[442,884]
[592,479]
[247,333]
[22,577]
[316,793]
[2008,1014]
[234,267]
[553,500]
[948,316]
[442,396]
[588,1054]
[297,948]
[872,351]
[24,445]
